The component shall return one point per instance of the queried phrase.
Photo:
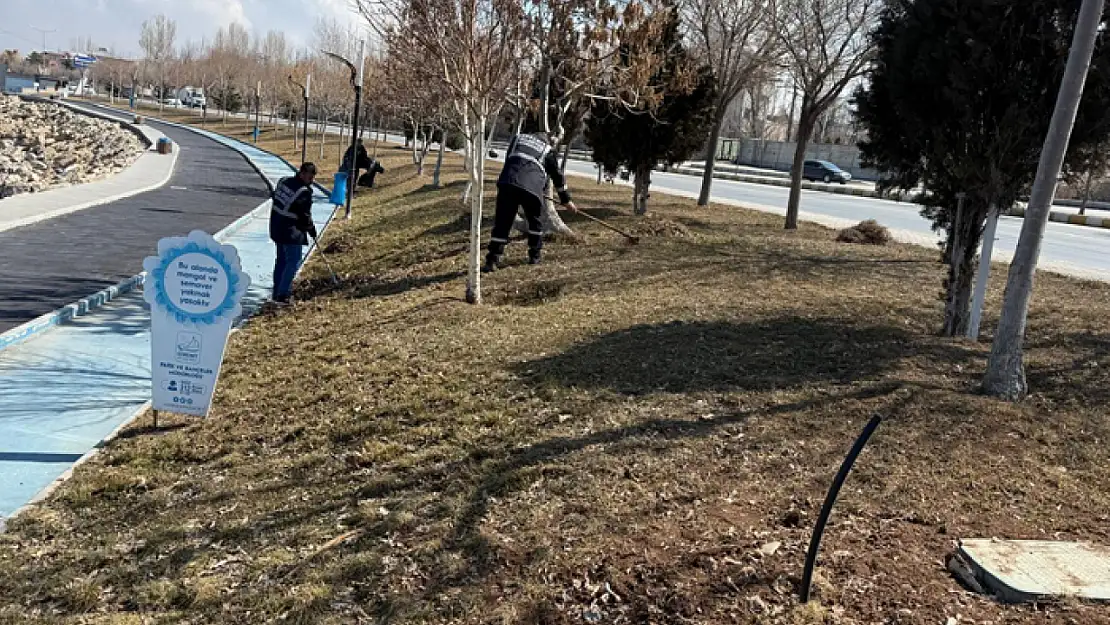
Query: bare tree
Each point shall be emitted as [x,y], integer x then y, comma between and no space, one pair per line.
[736,40]
[157,40]
[227,58]
[475,46]
[827,45]
[275,57]
[574,45]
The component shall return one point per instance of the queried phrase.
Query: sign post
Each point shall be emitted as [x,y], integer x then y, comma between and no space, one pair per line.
[194,287]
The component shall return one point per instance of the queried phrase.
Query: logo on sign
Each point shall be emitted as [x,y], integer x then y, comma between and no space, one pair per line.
[188,347]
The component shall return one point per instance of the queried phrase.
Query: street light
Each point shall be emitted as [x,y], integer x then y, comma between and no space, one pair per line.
[356,83]
[304,94]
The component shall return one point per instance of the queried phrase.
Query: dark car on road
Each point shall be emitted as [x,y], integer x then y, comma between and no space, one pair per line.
[825,172]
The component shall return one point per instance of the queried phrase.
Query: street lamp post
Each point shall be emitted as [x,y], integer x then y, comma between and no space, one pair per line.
[356,83]
[305,88]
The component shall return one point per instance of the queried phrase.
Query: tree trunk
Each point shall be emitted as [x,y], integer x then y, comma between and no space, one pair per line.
[377,134]
[296,139]
[566,155]
[640,190]
[477,139]
[1005,375]
[342,135]
[1086,193]
[439,157]
[711,156]
[958,285]
[468,163]
[322,126]
[805,127]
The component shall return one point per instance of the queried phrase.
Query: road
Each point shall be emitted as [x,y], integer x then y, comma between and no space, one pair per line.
[48,264]
[1079,251]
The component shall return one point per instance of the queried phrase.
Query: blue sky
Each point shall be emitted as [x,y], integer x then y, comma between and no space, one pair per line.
[115,24]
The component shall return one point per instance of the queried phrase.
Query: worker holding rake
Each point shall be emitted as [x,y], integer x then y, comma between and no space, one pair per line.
[529,162]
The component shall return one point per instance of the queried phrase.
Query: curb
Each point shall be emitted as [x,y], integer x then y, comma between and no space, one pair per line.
[1065,218]
[24,332]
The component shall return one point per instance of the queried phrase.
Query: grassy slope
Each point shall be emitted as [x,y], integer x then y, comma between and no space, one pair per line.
[616,433]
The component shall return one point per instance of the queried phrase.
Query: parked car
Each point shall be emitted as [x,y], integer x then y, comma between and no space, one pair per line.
[825,172]
[171,102]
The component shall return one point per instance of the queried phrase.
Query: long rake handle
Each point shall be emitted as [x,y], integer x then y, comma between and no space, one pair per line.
[607,225]
[320,251]
[631,237]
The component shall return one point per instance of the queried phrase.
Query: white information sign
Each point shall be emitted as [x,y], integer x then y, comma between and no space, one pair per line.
[194,287]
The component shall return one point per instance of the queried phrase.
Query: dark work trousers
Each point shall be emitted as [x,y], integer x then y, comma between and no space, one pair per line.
[509,199]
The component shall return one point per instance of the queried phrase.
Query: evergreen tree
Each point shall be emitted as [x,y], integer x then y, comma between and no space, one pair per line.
[959,102]
[669,127]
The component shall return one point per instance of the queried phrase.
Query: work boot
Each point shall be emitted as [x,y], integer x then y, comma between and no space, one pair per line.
[534,257]
[490,265]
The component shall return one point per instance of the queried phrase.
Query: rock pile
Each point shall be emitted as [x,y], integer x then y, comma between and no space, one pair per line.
[46,145]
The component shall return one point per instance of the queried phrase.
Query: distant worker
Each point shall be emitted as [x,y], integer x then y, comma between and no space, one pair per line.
[529,162]
[290,226]
[362,161]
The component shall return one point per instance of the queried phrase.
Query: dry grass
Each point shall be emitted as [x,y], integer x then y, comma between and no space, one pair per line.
[610,439]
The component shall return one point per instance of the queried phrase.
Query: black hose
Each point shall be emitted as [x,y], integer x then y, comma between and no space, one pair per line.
[830,499]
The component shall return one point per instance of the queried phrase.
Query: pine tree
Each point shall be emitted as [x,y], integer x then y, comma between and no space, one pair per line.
[667,128]
[959,102]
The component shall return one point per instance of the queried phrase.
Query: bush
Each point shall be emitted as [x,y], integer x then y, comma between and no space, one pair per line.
[868,232]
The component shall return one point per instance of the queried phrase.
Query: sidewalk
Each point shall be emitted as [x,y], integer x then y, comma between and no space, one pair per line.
[72,387]
[148,172]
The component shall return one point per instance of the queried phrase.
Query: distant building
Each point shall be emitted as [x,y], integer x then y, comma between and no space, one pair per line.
[14,82]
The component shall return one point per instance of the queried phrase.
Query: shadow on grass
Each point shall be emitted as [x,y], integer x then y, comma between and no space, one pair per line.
[402,285]
[456,226]
[511,471]
[360,287]
[712,356]
[1078,379]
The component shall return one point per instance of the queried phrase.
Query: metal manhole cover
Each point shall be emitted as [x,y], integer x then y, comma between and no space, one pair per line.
[1027,570]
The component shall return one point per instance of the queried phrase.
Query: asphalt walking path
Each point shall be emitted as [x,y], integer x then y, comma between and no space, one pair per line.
[51,263]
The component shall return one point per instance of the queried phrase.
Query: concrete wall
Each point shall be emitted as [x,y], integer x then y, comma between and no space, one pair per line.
[780,155]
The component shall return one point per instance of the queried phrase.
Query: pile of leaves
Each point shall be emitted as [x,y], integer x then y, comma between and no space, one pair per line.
[869,232]
[657,226]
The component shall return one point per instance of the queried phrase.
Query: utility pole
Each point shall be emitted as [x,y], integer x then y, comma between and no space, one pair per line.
[44,32]
[1005,370]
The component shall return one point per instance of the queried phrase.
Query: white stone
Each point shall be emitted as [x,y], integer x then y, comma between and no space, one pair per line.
[45,145]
